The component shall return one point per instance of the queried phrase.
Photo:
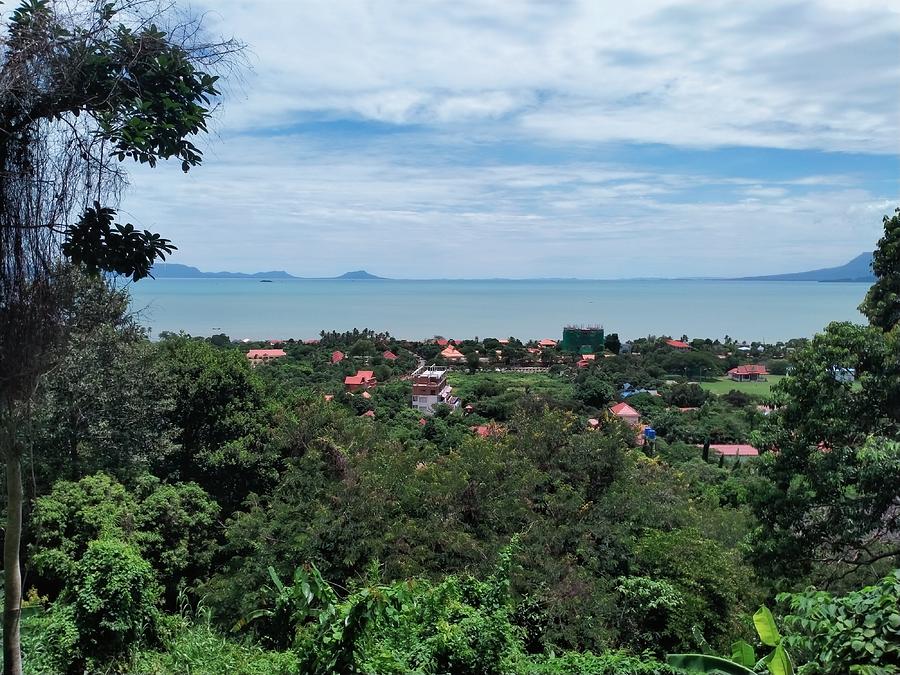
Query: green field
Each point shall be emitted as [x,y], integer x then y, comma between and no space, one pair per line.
[724,384]
[464,383]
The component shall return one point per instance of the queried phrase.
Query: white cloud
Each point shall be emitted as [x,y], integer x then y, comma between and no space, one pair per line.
[814,74]
[503,135]
[277,203]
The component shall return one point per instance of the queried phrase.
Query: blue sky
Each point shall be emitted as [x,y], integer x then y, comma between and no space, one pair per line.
[595,139]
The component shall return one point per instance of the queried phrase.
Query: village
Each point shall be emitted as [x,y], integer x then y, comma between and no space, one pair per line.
[708,394]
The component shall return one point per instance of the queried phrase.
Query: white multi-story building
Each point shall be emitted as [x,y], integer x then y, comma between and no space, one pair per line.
[430,389]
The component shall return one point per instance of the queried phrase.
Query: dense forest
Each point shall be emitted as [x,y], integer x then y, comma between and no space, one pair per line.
[188,512]
[174,506]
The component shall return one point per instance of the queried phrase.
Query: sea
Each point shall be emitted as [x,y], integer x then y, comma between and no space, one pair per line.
[299,308]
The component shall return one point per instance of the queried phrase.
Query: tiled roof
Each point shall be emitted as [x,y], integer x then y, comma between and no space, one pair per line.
[735,450]
[624,410]
[750,369]
[265,353]
[678,344]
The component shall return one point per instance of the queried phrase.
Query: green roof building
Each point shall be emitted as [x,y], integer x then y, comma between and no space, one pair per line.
[583,339]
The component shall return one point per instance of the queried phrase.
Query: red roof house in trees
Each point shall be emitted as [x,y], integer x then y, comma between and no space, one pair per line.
[625,412]
[748,373]
[678,344]
[364,379]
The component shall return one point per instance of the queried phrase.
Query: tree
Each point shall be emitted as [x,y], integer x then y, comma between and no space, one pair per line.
[173,526]
[362,348]
[80,91]
[829,504]
[686,395]
[218,413]
[103,406]
[594,391]
[612,343]
[114,597]
[882,303]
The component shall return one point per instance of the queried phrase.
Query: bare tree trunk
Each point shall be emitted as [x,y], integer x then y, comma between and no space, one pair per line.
[12,575]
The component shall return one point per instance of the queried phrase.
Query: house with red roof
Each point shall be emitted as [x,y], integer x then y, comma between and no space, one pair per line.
[364,379]
[678,344]
[337,357]
[368,413]
[452,354]
[733,450]
[626,413]
[748,373]
[443,342]
[257,356]
[547,342]
[389,356]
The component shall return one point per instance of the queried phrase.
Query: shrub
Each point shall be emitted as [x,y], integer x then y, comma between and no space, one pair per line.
[856,633]
[50,641]
[737,399]
[646,609]
[114,598]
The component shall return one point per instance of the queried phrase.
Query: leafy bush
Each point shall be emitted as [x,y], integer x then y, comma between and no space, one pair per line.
[50,641]
[171,524]
[646,609]
[73,515]
[712,581]
[114,599]
[856,633]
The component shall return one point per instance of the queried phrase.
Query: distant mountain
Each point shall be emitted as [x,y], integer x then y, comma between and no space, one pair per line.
[858,269]
[178,271]
[357,275]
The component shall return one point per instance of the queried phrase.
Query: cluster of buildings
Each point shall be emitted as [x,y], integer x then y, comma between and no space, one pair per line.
[430,387]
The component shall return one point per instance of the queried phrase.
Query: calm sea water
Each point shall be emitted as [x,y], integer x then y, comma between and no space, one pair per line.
[246,308]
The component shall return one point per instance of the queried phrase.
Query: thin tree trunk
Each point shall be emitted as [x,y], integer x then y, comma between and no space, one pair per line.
[12,575]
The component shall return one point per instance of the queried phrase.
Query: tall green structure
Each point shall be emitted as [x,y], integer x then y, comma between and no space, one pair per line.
[583,339]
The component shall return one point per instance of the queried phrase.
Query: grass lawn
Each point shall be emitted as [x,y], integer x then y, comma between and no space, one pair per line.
[464,383]
[724,384]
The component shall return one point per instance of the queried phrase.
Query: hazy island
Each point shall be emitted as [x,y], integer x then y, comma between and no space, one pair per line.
[181,271]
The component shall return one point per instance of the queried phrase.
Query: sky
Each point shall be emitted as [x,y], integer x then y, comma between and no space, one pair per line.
[564,138]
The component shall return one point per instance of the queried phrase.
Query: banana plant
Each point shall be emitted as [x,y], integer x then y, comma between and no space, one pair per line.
[743,659]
